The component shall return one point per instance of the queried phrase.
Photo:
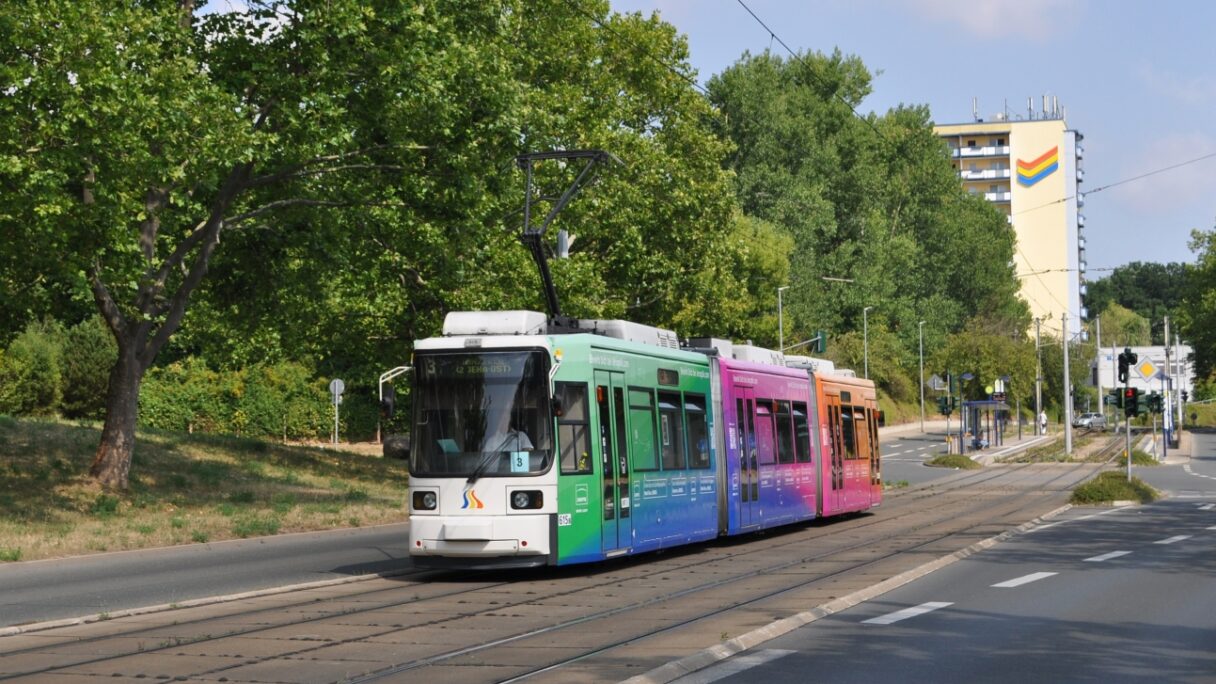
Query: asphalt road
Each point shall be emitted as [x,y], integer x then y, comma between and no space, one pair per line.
[1105,595]
[36,591]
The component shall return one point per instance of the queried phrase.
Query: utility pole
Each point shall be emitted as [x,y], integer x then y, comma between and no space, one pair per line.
[921,329]
[1181,375]
[1167,382]
[1098,360]
[1038,380]
[1067,390]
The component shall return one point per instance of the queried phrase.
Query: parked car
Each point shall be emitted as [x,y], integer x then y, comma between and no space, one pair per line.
[1093,421]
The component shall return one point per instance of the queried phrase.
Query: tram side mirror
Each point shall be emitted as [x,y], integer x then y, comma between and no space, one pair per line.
[558,409]
[388,404]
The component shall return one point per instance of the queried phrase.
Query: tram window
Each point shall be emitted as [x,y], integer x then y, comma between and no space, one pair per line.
[671,431]
[834,421]
[574,428]
[764,432]
[785,433]
[802,433]
[862,427]
[698,430]
[642,443]
[846,430]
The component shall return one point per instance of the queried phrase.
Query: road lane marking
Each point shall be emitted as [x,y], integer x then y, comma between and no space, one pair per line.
[1207,507]
[1027,579]
[1173,539]
[734,666]
[1107,556]
[906,613]
[1213,527]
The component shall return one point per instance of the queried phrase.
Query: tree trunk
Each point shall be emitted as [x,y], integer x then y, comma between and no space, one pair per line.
[112,464]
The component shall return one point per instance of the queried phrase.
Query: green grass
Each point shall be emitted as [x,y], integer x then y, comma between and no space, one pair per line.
[183,489]
[1143,458]
[1113,486]
[897,484]
[953,461]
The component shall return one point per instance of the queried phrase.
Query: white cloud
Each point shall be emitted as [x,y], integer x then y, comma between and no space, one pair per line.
[1035,20]
[1191,89]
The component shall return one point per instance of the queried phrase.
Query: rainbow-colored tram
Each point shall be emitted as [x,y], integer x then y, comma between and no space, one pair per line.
[533,448]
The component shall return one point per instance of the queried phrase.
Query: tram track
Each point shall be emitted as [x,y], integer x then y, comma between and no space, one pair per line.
[619,574]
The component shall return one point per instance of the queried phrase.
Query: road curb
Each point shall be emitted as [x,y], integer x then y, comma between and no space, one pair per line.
[719,652]
[192,603]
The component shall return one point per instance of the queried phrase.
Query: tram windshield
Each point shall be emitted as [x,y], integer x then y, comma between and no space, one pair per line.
[482,414]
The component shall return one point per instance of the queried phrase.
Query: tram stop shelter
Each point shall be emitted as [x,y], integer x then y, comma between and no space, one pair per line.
[984,423]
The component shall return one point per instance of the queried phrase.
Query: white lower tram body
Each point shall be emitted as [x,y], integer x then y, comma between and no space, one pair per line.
[477,521]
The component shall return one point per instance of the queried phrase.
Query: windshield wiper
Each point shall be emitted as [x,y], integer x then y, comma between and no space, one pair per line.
[482,466]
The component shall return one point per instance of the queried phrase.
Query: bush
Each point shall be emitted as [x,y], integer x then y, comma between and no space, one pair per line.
[31,371]
[953,461]
[89,354]
[1113,486]
[264,402]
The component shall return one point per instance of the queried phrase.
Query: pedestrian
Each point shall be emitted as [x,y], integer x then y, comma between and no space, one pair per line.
[1042,422]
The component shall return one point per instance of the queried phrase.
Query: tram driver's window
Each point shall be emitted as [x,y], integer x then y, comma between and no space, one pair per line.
[698,431]
[573,428]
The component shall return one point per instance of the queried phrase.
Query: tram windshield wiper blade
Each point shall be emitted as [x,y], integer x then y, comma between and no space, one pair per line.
[482,466]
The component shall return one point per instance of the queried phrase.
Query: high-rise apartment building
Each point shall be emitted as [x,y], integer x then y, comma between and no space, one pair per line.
[1029,166]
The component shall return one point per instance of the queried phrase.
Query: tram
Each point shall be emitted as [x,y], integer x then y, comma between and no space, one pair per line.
[548,440]
[536,447]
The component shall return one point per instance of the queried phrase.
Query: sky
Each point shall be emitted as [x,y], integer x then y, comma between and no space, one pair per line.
[1137,79]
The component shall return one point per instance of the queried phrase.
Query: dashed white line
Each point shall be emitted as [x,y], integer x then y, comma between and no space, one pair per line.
[733,666]
[1171,540]
[906,613]
[1213,527]
[1207,507]
[1026,579]
[1107,556]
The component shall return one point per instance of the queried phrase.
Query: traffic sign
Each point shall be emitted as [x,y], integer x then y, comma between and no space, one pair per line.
[1147,369]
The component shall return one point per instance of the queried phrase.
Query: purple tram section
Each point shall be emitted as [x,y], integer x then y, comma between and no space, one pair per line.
[769,462]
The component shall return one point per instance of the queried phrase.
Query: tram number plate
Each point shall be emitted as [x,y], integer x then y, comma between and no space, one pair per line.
[563,520]
[519,461]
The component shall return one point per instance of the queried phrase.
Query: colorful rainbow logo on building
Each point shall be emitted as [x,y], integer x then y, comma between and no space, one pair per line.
[471,500]
[1032,172]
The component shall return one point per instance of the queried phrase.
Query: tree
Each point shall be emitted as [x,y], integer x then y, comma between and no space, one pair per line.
[1198,310]
[134,137]
[1123,328]
[1150,290]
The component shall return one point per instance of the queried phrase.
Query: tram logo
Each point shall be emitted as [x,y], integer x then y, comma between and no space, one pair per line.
[1031,172]
[471,500]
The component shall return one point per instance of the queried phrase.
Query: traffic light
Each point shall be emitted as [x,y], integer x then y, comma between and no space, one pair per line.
[1154,403]
[1184,396]
[944,405]
[1126,359]
[1114,398]
[1131,401]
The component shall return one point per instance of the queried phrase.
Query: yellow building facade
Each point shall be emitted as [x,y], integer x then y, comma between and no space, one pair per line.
[1030,169]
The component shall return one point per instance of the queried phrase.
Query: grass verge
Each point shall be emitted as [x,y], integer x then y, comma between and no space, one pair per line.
[1113,486]
[953,461]
[183,489]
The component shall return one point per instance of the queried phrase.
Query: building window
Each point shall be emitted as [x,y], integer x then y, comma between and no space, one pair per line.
[970,143]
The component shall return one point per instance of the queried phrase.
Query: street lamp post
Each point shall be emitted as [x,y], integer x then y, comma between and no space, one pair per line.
[780,321]
[1067,390]
[865,339]
[920,328]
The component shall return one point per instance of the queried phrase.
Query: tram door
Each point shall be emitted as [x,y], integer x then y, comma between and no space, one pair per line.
[749,476]
[614,460]
[833,491]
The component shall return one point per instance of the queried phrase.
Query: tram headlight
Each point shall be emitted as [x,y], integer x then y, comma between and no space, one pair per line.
[523,500]
[425,501]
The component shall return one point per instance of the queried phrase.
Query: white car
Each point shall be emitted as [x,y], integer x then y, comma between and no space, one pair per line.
[1093,421]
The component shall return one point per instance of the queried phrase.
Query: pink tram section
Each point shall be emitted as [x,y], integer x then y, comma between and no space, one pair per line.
[793,444]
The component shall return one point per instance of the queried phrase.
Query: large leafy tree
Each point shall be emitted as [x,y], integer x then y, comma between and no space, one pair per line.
[872,200]
[1149,289]
[134,137]
[1198,310]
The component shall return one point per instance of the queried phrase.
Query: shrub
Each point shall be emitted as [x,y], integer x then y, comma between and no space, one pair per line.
[1113,486]
[31,371]
[89,354]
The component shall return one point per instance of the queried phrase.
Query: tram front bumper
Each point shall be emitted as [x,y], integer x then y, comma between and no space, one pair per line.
[481,537]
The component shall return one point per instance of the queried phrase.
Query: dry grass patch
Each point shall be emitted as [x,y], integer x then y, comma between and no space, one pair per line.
[183,489]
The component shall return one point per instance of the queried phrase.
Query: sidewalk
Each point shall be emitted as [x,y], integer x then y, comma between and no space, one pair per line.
[1010,446]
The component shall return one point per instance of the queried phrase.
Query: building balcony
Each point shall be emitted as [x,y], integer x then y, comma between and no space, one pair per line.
[1080,220]
[998,197]
[972,152]
[984,174]
[1080,175]
[1081,267]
